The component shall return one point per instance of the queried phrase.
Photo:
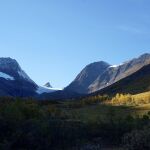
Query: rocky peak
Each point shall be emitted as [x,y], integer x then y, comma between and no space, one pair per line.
[9,63]
[48,85]
[87,76]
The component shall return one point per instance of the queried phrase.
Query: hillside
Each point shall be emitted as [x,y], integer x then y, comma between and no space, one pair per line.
[86,77]
[99,75]
[136,83]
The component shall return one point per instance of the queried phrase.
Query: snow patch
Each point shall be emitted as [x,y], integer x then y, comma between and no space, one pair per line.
[42,89]
[114,66]
[6,76]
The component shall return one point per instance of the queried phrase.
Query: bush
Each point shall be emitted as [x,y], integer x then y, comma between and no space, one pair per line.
[138,139]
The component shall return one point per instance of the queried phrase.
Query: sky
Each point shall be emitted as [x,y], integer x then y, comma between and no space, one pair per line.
[53,40]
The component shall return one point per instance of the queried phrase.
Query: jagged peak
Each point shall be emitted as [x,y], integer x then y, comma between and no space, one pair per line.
[7,62]
[11,66]
[48,85]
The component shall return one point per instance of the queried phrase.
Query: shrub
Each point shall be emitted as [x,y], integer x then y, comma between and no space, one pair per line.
[137,139]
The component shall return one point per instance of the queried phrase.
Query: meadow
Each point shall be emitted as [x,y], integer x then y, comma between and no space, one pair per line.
[91,123]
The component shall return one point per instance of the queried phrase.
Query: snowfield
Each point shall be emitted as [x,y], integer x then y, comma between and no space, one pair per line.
[43,89]
[6,76]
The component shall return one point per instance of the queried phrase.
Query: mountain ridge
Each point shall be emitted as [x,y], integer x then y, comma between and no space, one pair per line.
[86,76]
[110,75]
[94,77]
[15,82]
[136,83]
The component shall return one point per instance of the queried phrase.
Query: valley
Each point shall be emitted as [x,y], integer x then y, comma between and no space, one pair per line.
[75,125]
[107,107]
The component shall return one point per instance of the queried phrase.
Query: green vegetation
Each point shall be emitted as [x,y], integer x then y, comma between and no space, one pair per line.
[90,123]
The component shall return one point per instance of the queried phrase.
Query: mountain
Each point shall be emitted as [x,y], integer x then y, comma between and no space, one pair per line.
[116,73]
[48,85]
[138,82]
[15,82]
[102,75]
[87,76]
[97,76]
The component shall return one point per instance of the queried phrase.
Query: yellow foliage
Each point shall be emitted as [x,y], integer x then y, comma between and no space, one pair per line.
[128,99]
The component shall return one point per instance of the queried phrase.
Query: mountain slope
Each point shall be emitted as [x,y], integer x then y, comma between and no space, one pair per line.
[116,73]
[138,82]
[103,75]
[87,76]
[15,82]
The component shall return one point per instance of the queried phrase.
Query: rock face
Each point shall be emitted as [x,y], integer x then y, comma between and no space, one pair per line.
[14,81]
[135,83]
[115,73]
[100,75]
[87,76]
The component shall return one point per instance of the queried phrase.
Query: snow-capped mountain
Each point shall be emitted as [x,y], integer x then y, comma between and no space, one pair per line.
[11,67]
[99,75]
[94,77]
[15,82]
[117,72]
[135,83]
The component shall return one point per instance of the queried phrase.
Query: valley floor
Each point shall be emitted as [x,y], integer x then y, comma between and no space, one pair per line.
[63,125]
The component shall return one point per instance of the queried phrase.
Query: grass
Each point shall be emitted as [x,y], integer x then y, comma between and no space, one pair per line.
[92,113]
[90,122]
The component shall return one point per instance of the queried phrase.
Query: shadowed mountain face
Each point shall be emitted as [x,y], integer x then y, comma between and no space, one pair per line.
[138,82]
[89,74]
[14,81]
[101,75]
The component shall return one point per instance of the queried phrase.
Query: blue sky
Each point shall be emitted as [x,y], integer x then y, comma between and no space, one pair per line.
[54,39]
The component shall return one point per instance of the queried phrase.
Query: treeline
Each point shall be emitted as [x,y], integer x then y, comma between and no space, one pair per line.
[128,99]
[118,99]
